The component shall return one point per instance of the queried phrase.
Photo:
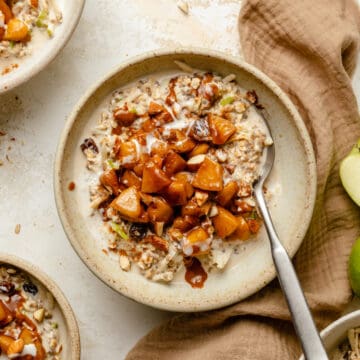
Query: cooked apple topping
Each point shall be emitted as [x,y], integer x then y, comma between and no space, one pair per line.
[176,159]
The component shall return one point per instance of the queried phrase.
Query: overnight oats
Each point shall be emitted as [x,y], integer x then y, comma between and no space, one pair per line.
[175,158]
[349,349]
[24,26]
[28,328]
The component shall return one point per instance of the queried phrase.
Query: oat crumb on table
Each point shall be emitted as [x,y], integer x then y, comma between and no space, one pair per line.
[183,6]
[17,229]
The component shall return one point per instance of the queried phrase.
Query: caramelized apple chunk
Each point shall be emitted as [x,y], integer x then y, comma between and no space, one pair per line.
[27,336]
[154,179]
[185,178]
[193,209]
[155,108]
[180,143]
[199,149]
[110,181]
[227,193]
[124,117]
[5,314]
[16,347]
[129,179]
[175,193]
[128,203]
[221,129]
[173,163]
[209,176]
[159,210]
[127,154]
[197,235]
[5,342]
[4,8]
[185,223]
[225,223]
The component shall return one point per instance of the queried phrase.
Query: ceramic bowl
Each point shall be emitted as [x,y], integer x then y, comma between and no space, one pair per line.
[68,328]
[32,64]
[292,183]
[336,332]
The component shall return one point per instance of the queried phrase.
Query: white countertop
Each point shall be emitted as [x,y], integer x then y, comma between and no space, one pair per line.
[34,114]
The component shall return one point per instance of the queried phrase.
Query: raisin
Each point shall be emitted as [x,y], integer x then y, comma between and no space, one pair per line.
[7,288]
[252,96]
[138,230]
[30,288]
[200,130]
[89,144]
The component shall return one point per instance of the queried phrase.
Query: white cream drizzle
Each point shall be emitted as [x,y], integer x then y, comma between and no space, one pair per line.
[29,349]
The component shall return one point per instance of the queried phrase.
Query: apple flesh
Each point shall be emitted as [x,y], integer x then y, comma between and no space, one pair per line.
[350,173]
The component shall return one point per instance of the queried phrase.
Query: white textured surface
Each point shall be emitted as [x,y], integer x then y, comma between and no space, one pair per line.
[34,114]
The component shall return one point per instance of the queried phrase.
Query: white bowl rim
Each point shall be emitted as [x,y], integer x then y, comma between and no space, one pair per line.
[13,82]
[342,320]
[66,310]
[338,323]
[268,82]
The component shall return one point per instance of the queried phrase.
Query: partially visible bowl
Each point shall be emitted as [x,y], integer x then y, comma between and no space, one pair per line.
[293,180]
[35,62]
[62,312]
[336,332]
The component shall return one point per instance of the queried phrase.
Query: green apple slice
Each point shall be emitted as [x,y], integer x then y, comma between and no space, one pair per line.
[350,173]
[354,267]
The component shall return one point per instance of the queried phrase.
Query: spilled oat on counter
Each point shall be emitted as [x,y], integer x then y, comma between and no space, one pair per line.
[176,157]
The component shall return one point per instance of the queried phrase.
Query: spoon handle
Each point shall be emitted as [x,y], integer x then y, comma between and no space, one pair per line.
[301,315]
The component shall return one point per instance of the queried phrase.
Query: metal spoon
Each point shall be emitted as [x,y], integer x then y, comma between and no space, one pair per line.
[300,312]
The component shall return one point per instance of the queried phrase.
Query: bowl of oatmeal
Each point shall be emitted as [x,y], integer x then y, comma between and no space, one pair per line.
[154,179]
[32,32]
[342,338]
[36,321]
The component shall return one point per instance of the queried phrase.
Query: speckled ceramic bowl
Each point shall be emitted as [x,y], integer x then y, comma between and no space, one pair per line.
[336,332]
[68,328]
[30,65]
[292,181]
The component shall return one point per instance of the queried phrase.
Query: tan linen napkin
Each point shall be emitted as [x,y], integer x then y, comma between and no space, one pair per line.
[309,48]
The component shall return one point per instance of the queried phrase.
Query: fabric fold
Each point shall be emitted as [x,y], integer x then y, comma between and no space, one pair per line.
[310,49]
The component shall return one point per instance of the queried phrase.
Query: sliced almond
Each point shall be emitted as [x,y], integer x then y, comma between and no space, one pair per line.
[195,162]
[159,228]
[183,6]
[201,197]
[124,262]
[17,229]
[39,315]
[213,211]
[221,155]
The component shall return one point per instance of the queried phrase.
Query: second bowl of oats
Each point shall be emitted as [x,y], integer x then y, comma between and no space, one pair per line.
[36,321]
[32,32]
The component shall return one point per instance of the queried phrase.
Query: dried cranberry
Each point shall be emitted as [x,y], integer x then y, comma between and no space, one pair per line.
[30,288]
[89,144]
[138,230]
[7,288]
